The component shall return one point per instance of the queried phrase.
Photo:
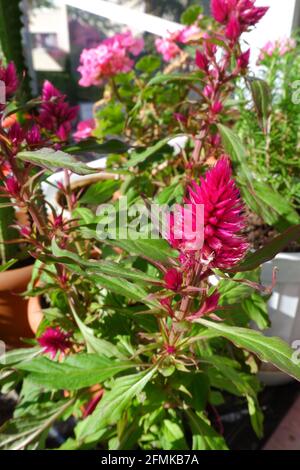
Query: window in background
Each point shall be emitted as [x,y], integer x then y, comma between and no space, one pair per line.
[61,29]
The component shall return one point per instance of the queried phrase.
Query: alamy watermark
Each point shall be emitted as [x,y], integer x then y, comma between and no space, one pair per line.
[296,94]
[296,354]
[2,352]
[2,92]
[141,221]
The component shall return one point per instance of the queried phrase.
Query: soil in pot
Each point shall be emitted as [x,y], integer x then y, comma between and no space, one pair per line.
[259,234]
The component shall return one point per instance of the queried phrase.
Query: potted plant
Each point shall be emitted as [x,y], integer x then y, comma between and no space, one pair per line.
[273,150]
[131,306]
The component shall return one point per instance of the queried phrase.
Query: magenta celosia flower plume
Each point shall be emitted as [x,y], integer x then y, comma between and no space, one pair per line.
[223,246]
[56,115]
[223,219]
[237,15]
[54,340]
[8,75]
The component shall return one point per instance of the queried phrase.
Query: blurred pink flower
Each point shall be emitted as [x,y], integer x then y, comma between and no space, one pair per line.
[84,129]
[281,47]
[168,47]
[54,340]
[110,58]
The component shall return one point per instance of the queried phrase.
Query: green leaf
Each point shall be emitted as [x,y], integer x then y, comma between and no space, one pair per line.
[160,79]
[93,267]
[22,432]
[262,99]
[148,64]
[269,251]
[257,310]
[172,436]
[139,157]
[120,286]
[94,344]
[259,196]
[100,192]
[74,372]
[6,266]
[94,145]
[280,211]
[236,150]
[190,15]
[204,435]
[54,160]
[113,403]
[272,350]
[19,355]
[256,416]
[158,250]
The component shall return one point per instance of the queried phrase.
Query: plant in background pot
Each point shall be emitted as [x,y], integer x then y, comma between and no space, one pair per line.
[19,317]
[132,309]
[273,148]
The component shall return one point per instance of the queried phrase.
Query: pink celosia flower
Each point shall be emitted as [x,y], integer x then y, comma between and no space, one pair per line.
[201,61]
[166,303]
[238,15]
[54,340]
[180,118]
[84,129]
[223,246]
[25,231]
[216,107]
[33,136]
[173,279]
[243,60]
[208,91]
[56,115]
[16,134]
[110,58]
[8,75]
[233,28]
[12,186]
[210,305]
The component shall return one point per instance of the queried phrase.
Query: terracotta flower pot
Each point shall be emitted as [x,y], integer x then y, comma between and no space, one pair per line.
[19,317]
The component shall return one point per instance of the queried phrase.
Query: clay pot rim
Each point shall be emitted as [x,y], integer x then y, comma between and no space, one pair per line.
[15,279]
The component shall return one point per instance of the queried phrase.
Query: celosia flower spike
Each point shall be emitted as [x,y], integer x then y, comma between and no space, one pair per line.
[54,340]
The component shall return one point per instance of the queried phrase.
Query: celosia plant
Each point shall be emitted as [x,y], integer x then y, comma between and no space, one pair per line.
[144,337]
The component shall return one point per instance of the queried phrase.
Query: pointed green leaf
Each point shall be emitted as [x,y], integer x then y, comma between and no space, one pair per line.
[54,160]
[272,350]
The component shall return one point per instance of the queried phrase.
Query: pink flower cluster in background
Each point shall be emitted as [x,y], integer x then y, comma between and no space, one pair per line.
[84,130]
[111,57]
[281,46]
[168,46]
[236,15]
[8,75]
